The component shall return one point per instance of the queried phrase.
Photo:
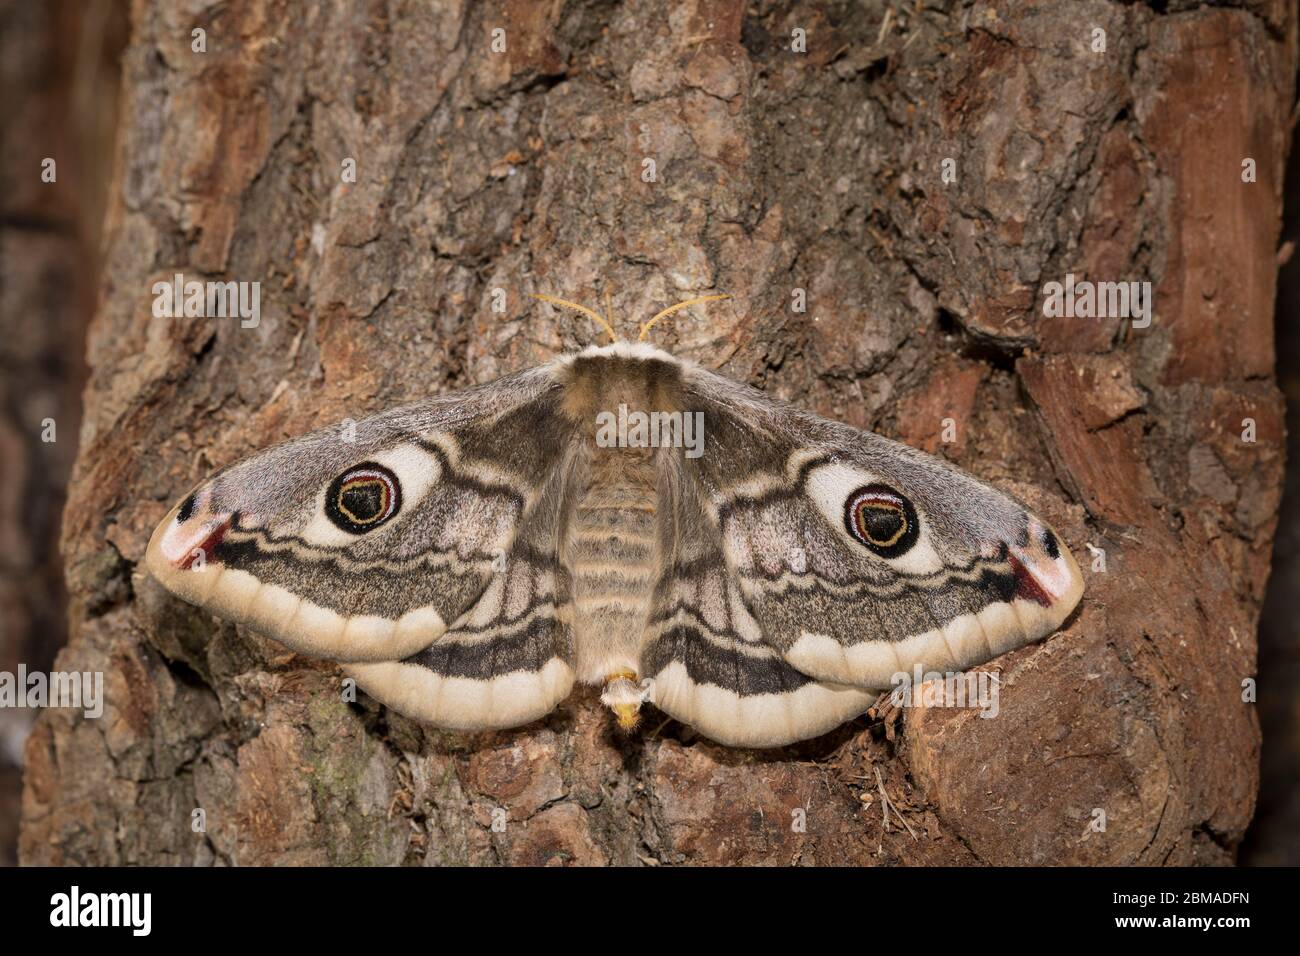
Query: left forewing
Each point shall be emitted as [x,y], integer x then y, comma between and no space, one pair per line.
[367,540]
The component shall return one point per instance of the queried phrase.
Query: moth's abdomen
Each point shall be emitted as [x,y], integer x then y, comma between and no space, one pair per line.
[611,557]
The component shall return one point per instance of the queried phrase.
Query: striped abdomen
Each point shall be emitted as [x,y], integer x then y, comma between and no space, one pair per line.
[611,556]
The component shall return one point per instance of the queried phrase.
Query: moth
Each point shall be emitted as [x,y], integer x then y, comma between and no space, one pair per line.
[470,557]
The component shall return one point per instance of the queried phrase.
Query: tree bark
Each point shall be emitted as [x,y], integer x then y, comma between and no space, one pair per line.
[59,87]
[774,170]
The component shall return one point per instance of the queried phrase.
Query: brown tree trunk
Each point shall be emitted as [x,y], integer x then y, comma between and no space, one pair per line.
[774,170]
[59,86]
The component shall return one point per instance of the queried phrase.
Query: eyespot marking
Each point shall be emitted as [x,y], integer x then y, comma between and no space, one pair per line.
[880,518]
[363,498]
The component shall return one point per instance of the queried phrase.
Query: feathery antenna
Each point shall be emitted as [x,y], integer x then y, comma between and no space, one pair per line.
[605,323]
[674,308]
[591,313]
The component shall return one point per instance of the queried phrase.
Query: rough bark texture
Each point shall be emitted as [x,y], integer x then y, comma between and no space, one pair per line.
[60,95]
[1274,835]
[775,171]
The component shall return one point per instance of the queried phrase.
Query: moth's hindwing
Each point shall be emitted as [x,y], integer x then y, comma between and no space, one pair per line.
[710,664]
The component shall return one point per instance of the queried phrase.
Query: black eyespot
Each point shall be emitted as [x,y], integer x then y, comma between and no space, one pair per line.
[1050,546]
[882,519]
[363,498]
[186,510]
